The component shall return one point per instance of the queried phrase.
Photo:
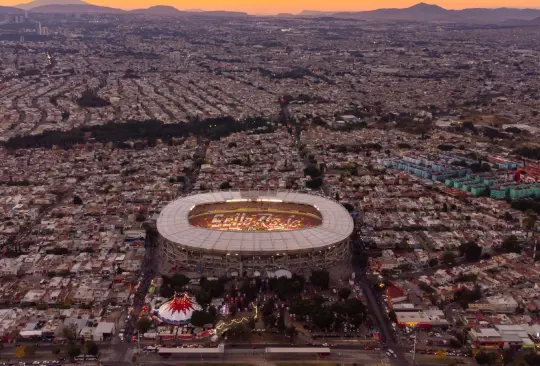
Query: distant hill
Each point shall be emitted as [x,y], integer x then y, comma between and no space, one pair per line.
[498,15]
[36,3]
[423,12]
[536,21]
[419,12]
[223,13]
[79,8]
[160,10]
[315,13]
[4,10]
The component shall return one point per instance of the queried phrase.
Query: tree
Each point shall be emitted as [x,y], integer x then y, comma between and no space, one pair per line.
[339,308]
[426,288]
[249,289]
[91,348]
[77,200]
[203,298]
[445,147]
[529,222]
[454,343]
[303,307]
[269,320]
[320,278]
[144,324]
[225,185]
[449,258]
[511,245]
[70,332]
[239,330]
[212,311]
[471,251]
[360,259]
[287,287]
[268,307]
[281,321]
[291,332]
[532,358]
[233,310]
[344,293]
[318,300]
[312,171]
[315,183]
[465,296]
[483,358]
[468,125]
[323,318]
[172,284]
[508,355]
[200,318]
[73,350]
[355,307]
[348,206]
[89,98]
[466,277]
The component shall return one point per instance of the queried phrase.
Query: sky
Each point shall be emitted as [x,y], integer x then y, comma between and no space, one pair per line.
[295,6]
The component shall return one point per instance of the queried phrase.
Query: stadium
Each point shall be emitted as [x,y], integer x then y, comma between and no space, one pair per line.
[253,232]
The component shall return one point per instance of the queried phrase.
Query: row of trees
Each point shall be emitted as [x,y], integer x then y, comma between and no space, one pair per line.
[72,349]
[527,205]
[149,130]
[208,288]
[324,316]
[315,173]
[89,98]
[508,357]
[531,152]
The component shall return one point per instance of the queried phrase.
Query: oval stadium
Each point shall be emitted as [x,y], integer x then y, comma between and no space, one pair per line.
[250,232]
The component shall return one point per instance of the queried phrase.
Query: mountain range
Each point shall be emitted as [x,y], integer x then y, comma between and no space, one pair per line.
[80,6]
[76,8]
[10,10]
[37,3]
[421,12]
[160,10]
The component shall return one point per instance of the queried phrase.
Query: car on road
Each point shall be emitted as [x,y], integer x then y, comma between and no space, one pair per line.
[150,349]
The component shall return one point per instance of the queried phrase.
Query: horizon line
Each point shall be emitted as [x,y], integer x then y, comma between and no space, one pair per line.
[192,10]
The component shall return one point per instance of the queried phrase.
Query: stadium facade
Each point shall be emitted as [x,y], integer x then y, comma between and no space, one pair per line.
[245,232]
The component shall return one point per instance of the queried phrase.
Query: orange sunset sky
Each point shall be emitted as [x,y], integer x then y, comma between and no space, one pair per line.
[294,6]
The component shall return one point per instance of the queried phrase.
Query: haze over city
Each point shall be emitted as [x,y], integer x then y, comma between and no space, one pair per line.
[285,6]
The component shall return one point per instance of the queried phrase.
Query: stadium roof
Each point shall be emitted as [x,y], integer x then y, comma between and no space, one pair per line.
[173,225]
